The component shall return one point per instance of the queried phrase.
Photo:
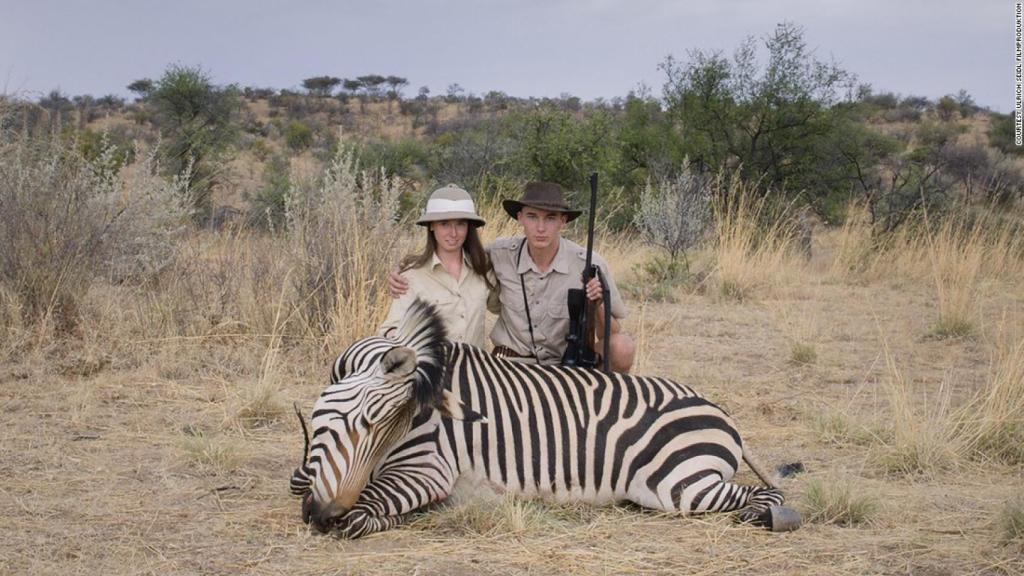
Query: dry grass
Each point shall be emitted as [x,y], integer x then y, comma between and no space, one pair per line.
[956,254]
[754,243]
[993,422]
[152,440]
[839,500]
[921,434]
[211,454]
[1012,521]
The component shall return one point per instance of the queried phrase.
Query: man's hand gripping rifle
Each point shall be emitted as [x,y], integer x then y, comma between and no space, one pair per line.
[582,312]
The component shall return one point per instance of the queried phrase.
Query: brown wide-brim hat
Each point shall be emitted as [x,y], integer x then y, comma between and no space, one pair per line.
[543,196]
[450,203]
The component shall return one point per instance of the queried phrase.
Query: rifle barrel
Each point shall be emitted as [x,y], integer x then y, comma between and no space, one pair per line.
[590,226]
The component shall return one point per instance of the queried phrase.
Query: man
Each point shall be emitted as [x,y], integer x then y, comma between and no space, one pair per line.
[534,274]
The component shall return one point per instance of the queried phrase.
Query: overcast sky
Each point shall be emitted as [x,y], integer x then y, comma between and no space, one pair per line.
[588,48]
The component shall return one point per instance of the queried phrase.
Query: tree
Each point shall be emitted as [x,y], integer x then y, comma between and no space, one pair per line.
[350,85]
[142,88]
[646,145]
[454,93]
[554,145]
[396,83]
[946,108]
[321,86]
[197,116]
[371,84]
[765,120]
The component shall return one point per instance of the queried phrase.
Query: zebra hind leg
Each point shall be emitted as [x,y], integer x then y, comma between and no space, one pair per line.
[759,505]
[753,502]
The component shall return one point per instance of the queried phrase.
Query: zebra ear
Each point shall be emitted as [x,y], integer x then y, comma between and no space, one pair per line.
[452,407]
[399,361]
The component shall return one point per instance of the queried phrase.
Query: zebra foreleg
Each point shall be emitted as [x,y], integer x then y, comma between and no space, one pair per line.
[388,499]
[359,523]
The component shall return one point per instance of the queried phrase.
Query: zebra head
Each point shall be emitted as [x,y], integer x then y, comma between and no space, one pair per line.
[357,419]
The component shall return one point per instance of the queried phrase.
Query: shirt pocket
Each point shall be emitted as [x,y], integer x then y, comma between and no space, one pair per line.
[512,298]
[445,301]
[558,308]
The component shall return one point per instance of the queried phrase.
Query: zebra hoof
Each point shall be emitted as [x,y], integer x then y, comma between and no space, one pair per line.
[784,518]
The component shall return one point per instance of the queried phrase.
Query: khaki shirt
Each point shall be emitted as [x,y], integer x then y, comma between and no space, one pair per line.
[547,293]
[462,302]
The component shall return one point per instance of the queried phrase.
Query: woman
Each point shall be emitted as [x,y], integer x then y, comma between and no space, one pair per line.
[452,271]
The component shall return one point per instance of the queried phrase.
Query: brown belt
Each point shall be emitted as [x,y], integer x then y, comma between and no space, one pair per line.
[506,352]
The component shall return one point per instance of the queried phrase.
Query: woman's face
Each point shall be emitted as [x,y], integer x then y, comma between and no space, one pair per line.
[450,234]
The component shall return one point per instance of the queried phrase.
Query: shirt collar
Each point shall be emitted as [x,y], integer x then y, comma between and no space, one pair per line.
[560,264]
[435,262]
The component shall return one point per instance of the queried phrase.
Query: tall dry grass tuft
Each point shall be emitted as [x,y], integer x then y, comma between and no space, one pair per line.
[920,436]
[1011,521]
[753,242]
[798,324]
[260,400]
[992,423]
[1004,257]
[344,237]
[838,501]
[956,253]
[854,246]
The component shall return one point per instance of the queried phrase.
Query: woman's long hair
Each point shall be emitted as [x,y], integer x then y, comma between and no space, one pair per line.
[472,247]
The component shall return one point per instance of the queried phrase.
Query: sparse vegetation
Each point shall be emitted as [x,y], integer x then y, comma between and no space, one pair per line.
[919,437]
[147,358]
[993,421]
[753,241]
[1011,521]
[803,353]
[211,454]
[835,500]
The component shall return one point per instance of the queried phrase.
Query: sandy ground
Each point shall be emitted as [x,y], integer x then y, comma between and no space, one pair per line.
[139,465]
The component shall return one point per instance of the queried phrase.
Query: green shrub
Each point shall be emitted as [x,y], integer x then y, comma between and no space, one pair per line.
[298,135]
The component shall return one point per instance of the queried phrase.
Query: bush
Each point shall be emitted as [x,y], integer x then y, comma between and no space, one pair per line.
[298,135]
[675,214]
[344,237]
[66,221]
[199,120]
[267,205]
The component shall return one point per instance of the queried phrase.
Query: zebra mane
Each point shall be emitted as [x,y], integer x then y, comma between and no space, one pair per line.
[423,330]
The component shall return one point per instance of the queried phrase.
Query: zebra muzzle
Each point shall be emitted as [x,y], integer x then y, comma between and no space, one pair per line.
[325,518]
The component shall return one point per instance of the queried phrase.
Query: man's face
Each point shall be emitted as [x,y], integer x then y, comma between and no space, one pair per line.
[542,228]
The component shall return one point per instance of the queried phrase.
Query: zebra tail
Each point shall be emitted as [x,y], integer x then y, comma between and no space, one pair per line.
[751,461]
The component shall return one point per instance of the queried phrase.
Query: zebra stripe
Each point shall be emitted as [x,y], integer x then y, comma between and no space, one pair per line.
[569,434]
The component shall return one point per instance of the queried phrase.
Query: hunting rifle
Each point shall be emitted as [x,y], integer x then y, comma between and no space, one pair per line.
[582,327]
